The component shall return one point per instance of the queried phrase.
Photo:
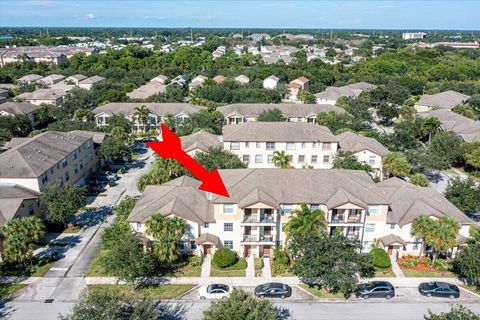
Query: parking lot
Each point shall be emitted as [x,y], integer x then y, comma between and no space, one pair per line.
[402,295]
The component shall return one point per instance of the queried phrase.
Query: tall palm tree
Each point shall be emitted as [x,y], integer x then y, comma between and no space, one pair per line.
[305,223]
[281,159]
[167,233]
[430,126]
[142,114]
[421,228]
[443,235]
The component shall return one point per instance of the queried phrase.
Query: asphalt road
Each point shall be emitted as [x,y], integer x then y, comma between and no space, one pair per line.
[299,310]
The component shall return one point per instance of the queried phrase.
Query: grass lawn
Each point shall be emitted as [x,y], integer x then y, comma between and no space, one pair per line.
[6,289]
[237,270]
[384,273]
[258,263]
[160,291]
[321,293]
[189,271]
[409,273]
[96,269]
[38,269]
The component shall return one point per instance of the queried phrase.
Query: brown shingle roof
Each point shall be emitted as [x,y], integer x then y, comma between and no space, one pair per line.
[16,108]
[465,127]
[290,110]
[201,140]
[443,100]
[11,198]
[160,109]
[353,142]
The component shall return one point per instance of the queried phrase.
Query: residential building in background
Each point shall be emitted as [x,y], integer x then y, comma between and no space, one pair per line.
[17,201]
[332,94]
[50,55]
[270,83]
[466,128]
[307,144]
[200,141]
[413,35]
[19,108]
[443,100]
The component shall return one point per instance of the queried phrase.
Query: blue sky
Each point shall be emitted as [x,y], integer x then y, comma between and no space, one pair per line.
[400,14]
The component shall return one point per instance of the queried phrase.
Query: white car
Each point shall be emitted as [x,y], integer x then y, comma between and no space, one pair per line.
[214,291]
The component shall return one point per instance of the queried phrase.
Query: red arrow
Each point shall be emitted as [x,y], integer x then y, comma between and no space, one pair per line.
[171,148]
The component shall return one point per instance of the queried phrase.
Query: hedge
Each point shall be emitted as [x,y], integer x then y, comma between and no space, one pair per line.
[380,258]
[224,257]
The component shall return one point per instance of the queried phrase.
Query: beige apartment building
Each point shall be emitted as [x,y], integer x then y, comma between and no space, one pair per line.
[252,219]
[35,163]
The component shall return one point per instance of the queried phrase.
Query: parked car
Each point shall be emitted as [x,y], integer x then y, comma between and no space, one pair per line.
[273,290]
[214,291]
[439,289]
[110,175]
[375,289]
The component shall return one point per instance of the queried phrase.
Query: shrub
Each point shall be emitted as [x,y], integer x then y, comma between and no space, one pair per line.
[441,265]
[241,264]
[281,261]
[426,261]
[380,258]
[409,262]
[195,261]
[224,257]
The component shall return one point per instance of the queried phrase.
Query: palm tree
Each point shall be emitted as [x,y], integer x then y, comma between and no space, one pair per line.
[167,233]
[430,126]
[142,115]
[304,223]
[421,228]
[443,235]
[281,159]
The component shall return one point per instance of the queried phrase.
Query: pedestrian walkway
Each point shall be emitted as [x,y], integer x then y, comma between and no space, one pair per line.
[250,273]
[206,266]
[396,268]
[266,270]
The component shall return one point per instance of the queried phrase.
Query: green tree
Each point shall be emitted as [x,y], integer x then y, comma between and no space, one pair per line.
[242,306]
[271,115]
[19,236]
[419,179]
[467,264]
[115,150]
[430,126]
[472,154]
[347,160]
[218,158]
[305,223]
[306,97]
[167,232]
[458,312]
[442,235]
[105,305]
[120,227]
[333,263]
[142,113]
[83,114]
[126,259]
[281,159]
[446,149]
[421,229]
[464,194]
[396,164]
[119,120]
[63,202]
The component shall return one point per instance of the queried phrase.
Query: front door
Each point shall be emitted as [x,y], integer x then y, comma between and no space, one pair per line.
[390,250]
[266,250]
[248,250]
[207,248]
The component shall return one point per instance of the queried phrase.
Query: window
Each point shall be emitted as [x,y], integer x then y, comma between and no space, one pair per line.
[270,158]
[373,210]
[51,171]
[89,144]
[415,246]
[314,144]
[228,208]
[193,246]
[314,159]
[247,144]
[314,207]
[290,145]
[44,178]
[326,159]
[326,146]
[30,209]
[301,158]
[64,162]
[303,145]
[246,158]
[372,159]
[287,208]
[370,227]
[258,145]
[67,176]
[367,245]
[270,145]
[258,158]
[392,226]
[234,145]
[228,226]
[206,225]
[75,169]
[228,244]
[74,156]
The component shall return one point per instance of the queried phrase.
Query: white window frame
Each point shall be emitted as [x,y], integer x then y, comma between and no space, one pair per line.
[228,208]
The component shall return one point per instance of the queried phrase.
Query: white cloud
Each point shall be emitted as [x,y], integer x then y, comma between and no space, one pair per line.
[90,16]
[161,18]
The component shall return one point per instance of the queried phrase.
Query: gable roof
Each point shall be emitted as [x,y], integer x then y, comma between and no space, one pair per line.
[92,80]
[253,110]
[36,155]
[159,109]
[30,77]
[408,201]
[16,108]
[353,142]
[277,132]
[274,78]
[351,90]
[11,198]
[467,128]
[201,140]
[443,100]
[147,90]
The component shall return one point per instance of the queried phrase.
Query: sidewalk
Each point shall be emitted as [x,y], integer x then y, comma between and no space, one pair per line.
[396,268]
[206,266]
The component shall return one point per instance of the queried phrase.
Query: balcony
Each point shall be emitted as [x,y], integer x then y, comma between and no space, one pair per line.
[255,219]
[250,219]
[258,238]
